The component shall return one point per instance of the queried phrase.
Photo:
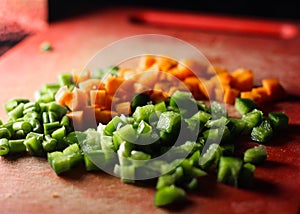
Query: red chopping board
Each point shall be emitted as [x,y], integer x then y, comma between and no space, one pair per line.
[28,184]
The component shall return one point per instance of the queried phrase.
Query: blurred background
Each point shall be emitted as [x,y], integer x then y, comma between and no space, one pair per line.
[20,18]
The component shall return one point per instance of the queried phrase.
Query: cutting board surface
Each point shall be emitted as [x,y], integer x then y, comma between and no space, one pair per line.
[28,184]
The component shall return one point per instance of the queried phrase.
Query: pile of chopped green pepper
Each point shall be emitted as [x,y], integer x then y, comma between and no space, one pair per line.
[174,141]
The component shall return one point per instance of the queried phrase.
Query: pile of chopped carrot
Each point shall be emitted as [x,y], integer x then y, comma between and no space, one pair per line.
[160,77]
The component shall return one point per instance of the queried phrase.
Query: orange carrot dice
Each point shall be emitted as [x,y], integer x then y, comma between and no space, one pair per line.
[274,88]
[242,79]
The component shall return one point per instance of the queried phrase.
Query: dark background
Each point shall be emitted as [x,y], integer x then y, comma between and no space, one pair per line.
[284,9]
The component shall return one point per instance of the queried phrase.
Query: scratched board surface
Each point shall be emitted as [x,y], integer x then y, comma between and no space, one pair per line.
[28,184]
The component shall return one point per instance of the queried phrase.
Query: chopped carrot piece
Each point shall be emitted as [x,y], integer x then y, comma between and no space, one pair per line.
[180,73]
[251,95]
[162,86]
[218,94]
[91,84]
[113,83]
[104,116]
[225,79]
[274,88]
[98,98]
[193,84]
[230,94]
[79,100]
[242,79]
[146,62]
[77,119]
[148,78]
[80,75]
[203,89]
[126,73]
[166,76]
[89,117]
[63,96]
[165,63]
[264,97]
[158,96]
[123,108]
[140,88]
[186,71]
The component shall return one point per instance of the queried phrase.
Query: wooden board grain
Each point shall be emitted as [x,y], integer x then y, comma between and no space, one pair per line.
[28,184]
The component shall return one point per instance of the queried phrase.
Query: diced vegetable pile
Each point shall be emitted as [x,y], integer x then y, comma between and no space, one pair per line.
[150,129]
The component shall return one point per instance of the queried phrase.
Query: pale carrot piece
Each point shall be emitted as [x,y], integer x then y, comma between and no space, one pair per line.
[146,62]
[242,79]
[140,88]
[123,108]
[230,94]
[165,76]
[218,94]
[63,95]
[113,83]
[91,84]
[126,73]
[77,119]
[79,100]
[80,75]
[83,119]
[89,119]
[274,88]
[163,86]
[98,97]
[148,78]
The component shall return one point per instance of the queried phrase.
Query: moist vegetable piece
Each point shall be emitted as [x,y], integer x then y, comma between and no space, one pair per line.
[255,155]
[138,125]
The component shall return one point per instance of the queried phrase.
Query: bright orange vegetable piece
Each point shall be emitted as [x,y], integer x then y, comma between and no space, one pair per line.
[63,96]
[251,95]
[242,79]
[203,88]
[98,98]
[113,83]
[104,116]
[165,63]
[262,92]
[146,62]
[230,94]
[274,88]
[225,79]
[193,85]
